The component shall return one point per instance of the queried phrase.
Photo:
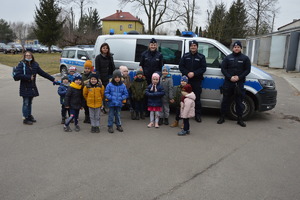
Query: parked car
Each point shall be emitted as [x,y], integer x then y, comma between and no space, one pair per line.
[74,56]
[55,49]
[44,48]
[28,47]
[261,93]
[2,47]
[9,49]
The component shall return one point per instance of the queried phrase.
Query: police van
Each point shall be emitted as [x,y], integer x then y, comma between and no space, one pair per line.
[260,88]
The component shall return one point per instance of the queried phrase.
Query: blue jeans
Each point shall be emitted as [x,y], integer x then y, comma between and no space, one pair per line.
[26,109]
[114,112]
[74,114]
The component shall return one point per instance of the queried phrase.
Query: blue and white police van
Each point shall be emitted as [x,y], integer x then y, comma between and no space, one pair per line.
[260,88]
[74,56]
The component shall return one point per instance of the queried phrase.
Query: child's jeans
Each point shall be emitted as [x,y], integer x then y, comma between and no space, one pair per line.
[74,115]
[95,116]
[114,112]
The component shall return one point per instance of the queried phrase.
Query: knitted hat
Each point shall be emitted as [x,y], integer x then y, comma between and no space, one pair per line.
[77,76]
[155,75]
[123,68]
[93,75]
[72,69]
[153,40]
[237,43]
[193,42]
[117,73]
[65,78]
[185,79]
[88,64]
[139,71]
[187,88]
[166,67]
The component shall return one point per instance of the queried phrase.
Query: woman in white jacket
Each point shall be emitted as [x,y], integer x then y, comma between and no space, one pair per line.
[187,108]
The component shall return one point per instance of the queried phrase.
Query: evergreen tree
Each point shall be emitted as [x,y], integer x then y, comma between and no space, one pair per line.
[217,23]
[48,29]
[200,32]
[197,31]
[236,22]
[178,32]
[6,33]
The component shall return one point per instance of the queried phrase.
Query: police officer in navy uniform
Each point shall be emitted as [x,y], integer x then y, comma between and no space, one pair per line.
[235,67]
[151,61]
[193,65]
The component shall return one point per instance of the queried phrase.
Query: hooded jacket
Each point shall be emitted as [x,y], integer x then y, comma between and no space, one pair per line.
[115,93]
[62,91]
[187,108]
[74,97]
[155,98]
[138,88]
[93,95]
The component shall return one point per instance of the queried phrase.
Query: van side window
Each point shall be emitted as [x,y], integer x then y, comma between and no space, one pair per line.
[213,55]
[171,51]
[141,46]
[81,54]
[71,54]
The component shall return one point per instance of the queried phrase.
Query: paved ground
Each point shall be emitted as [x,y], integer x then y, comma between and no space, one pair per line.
[215,162]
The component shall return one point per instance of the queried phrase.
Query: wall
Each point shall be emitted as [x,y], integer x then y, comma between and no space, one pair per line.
[107,25]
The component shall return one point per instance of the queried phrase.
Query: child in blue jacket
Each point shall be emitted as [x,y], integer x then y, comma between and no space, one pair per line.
[115,93]
[62,91]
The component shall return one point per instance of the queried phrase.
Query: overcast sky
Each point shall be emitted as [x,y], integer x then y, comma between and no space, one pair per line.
[23,10]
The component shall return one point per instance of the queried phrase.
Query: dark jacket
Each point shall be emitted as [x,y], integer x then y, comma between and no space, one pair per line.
[74,97]
[151,61]
[28,87]
[236,65]
[193,63]
[155,98]
[105,66]
[116,93]
[138,88]
[62,91]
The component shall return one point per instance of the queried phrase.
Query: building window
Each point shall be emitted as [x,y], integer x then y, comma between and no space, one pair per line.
[121,27]
[129,25]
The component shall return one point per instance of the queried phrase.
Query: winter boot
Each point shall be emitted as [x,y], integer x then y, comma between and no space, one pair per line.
[137,115]
[67,128]
[132,115]
[31,118]
[241,122]
[97,129]
[142,116]
[93,129]
[221,119]
[119,128]
[182,133]
[160,121]
[27,121]
[110,129]
[174,124]
[77,128]
[166,121]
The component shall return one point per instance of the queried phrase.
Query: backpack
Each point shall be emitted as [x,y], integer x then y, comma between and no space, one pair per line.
[14,72]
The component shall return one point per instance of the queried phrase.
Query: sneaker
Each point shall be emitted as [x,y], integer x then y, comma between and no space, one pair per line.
[150,125]
[93,129]
[67,128]
[77,128]
[110,129]
[182,133]
[119,128]
[27,121]
[97,129]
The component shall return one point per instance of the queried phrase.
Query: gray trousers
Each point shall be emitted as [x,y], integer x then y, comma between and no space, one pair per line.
[95,116]
[165,110]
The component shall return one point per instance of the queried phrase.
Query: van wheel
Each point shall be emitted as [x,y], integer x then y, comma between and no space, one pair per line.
[63,71]
[248,111]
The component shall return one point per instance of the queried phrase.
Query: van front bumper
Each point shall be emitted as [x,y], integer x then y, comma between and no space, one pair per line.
[267,99]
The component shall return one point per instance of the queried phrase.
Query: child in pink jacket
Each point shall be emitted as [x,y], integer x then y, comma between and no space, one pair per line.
[187,108]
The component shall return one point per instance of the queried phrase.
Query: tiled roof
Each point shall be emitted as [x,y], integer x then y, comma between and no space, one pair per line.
[121,16]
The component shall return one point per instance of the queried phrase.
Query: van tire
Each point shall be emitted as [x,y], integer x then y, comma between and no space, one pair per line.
[63,71]
[248,111]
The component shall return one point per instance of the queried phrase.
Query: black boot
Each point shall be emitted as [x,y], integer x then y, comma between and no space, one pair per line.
[132,113]
[31,118]
[198,118]
[166,121]
[160,121]
[27,121]
[241,122]
[137,115]
[221,119]
[142,116]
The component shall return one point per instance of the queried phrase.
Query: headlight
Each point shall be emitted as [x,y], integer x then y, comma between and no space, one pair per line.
[267,84]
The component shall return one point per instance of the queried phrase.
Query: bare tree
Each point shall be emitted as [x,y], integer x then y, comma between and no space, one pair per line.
[81,4]
[158,12]
[20,30]
[261,13]
[190,10]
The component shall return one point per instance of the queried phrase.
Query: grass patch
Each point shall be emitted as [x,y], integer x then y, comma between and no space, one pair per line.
[49,62]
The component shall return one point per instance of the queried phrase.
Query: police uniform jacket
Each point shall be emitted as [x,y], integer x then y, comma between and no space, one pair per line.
[236,64]
[151,61]
[193,63]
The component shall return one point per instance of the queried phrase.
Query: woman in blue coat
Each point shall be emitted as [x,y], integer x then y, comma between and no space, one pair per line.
[26,72]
